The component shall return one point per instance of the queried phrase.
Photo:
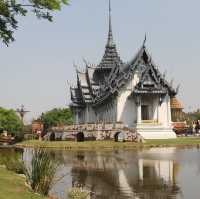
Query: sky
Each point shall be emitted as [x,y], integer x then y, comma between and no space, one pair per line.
[36,67]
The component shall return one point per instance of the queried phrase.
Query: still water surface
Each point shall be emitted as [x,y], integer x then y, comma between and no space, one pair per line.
[156,173]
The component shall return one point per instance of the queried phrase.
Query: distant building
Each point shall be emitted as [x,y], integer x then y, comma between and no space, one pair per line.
[133,93]
[37,126]
[177,110]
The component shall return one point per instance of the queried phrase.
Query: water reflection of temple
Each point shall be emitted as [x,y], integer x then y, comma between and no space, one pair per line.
[157,178]
[159,169]
[125,175]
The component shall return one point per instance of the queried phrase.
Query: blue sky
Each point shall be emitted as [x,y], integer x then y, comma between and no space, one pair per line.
[36,67]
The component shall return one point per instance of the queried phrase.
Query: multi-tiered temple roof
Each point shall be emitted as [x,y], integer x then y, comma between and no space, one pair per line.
[98,83]
[111,56]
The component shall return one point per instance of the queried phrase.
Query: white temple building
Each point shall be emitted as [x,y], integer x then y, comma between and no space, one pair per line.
[135,93]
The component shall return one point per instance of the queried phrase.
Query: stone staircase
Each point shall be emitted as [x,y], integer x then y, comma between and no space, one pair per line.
[155,131]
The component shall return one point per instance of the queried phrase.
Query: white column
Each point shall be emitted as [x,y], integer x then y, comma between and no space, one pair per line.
[169,111]
[139,115]
[87,114]
[139,110]
[158,110]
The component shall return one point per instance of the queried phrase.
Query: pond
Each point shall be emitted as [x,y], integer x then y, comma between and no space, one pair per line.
[155,173]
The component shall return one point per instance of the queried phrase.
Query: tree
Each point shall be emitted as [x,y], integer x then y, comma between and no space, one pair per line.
[57,117]
[9,121]
[11,9]
[193,116]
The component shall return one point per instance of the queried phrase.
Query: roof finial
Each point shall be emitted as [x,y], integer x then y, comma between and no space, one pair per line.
[145,39]
[76,67]
[171,82]
[110,8]
[110,35]
[85,61]
[178,88]
[69,84]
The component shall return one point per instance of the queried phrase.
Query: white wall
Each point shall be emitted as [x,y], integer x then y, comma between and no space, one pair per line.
[126,107]
[165,112]
[127,110]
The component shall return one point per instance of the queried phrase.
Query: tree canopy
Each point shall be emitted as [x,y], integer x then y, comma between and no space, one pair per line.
[57,117]
[193,116]
[11,9]
[9,121]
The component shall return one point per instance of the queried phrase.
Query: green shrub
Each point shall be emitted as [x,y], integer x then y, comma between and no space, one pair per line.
[77,193]
[13,162]
[42,171]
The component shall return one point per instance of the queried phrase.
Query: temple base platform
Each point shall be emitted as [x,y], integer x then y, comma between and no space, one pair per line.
[155,131]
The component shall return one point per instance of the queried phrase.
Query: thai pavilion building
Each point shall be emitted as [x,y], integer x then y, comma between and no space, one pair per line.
[135,94]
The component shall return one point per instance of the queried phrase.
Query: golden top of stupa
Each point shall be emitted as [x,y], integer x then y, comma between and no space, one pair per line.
[175,103]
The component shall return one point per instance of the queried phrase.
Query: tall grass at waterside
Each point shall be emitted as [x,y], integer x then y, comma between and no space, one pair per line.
[40,175]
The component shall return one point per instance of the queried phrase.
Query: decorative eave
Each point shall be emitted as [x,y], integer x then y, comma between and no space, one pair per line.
[76,106]
[161,83]
[79,84]
[153,91]
[89,81]
[75,97]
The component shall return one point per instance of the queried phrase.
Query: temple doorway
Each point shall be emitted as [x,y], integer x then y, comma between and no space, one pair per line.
[145,112]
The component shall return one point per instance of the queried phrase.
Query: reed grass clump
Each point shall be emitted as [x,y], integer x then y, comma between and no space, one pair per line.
[41,174]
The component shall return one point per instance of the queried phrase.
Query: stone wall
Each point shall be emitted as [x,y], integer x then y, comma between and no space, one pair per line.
[95,132]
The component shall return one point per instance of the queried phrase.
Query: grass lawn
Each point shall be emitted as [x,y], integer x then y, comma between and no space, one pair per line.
[70,145]
[13,186]
[187,141]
